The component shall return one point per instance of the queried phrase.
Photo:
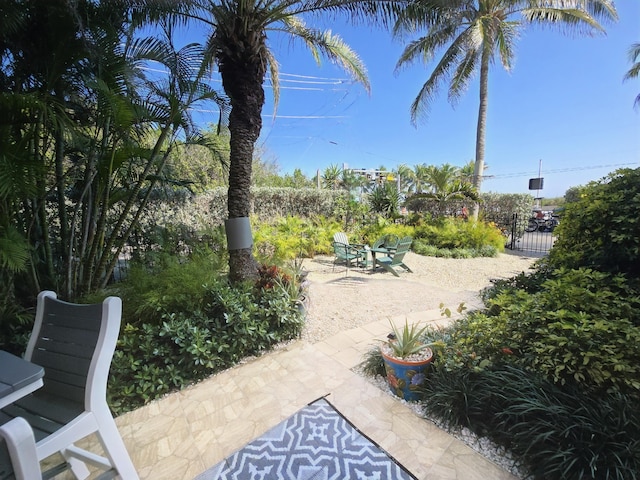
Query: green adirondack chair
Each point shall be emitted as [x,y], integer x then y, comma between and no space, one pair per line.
[348,253]
[388,262]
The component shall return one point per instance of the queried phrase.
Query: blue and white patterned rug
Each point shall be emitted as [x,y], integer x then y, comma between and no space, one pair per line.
[316,443]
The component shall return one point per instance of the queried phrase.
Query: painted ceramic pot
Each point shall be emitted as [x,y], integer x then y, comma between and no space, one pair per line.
[406,377]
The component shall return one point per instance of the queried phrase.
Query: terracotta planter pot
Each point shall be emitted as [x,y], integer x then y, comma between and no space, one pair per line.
[405,377]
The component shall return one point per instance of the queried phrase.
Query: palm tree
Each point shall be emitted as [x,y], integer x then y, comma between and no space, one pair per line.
[472,33]
[420,177]
[238,45]
[446,184]
[407,177]
[634,71]
[85,136]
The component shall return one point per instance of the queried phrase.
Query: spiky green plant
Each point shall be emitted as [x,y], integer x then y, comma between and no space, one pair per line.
[406,341]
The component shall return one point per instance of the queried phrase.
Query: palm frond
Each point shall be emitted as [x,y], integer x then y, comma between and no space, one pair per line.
[571,20]
[443,70]
[634,57]
[325,43]
[14,250]
[506,35]
[274,75]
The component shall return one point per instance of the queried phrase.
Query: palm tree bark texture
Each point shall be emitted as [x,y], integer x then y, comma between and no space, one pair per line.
[242,68]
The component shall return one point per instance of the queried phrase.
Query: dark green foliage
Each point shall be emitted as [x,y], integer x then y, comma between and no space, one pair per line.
[554,433]
[183,322]
[16,323]
[577,326]
[419,247]
[384,200]
[601,229]
[167,283]
[528,282]
[190,342]
[373,363]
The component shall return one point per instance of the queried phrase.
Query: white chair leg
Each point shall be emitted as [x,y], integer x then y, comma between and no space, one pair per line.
[78,467]
[114,447]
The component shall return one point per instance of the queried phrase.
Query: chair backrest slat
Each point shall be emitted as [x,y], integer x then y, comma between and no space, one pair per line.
[58,364]
[77,316]
[403,247]
[68,341]
[69,390]
[341,237]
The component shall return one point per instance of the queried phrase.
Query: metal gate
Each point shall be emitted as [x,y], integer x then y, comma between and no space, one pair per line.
[517,238]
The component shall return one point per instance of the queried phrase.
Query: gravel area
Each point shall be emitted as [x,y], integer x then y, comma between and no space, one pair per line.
[340,300]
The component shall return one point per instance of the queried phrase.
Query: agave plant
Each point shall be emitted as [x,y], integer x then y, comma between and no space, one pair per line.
[406,341]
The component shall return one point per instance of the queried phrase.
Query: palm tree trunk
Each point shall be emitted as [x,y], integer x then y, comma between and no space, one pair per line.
[242,74]
[482,126]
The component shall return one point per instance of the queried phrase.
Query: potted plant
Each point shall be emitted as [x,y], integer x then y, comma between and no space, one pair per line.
[406,358]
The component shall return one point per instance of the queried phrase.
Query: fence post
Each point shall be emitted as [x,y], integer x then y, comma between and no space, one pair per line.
[514,227]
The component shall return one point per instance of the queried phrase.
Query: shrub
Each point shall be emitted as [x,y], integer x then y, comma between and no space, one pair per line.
[172,284]
[381,226]
[553,432]
[286,238]
[187,345]
[577,327]
[454,233]
[601,229]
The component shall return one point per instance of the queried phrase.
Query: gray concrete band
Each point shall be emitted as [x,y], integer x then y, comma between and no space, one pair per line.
[238,232]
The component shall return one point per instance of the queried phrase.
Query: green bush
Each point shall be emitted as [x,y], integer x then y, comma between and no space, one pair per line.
[552,432]
[452,233]
[172,284]
[191,342]
[577,327]
[286,238]
[381,226]
[601,229]
[419,247]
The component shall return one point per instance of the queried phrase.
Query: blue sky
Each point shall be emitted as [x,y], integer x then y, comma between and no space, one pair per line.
[563,108]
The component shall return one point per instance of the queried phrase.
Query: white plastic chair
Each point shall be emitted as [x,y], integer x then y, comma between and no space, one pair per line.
[75,344]
[18,457]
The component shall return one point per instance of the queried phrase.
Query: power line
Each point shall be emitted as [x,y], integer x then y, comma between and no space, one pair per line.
[563,170]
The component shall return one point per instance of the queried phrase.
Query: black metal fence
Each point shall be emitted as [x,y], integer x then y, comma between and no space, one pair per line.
[521,236]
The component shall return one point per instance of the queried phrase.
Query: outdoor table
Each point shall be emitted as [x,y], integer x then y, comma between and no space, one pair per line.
[383,250]
[18,378]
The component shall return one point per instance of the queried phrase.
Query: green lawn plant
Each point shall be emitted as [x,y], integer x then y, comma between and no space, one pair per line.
[551,432]
[188,342]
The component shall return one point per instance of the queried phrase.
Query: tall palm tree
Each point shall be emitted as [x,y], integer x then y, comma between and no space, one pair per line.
[634,71]
[238,45]
[421,177]
[406,175]
[472,33]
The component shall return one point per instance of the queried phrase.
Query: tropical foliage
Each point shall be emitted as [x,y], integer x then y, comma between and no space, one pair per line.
[600,229]
[634,71]
[445,183]
[86,137]
[202,328]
